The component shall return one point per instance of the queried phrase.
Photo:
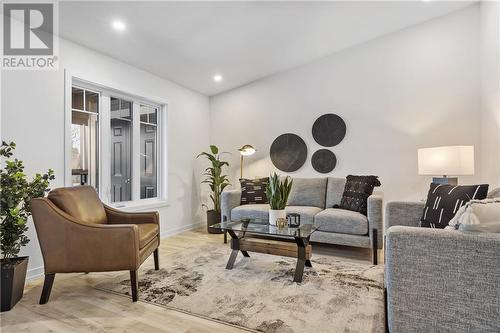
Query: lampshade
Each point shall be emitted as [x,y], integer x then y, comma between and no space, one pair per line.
[447,160]
[247,150]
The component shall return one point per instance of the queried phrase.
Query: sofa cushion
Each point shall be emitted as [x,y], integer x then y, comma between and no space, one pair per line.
[308,192]
[356,192]
[477,212]
[251,211]
[253,191]
[341,221]
[306,213]
[334,191]
[147,231]
[444,201]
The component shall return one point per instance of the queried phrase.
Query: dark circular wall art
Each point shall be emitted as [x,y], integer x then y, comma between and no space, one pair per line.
[288,152]
[324,161]
[329,130]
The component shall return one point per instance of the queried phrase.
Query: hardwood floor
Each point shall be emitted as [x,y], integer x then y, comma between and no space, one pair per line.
[75,306]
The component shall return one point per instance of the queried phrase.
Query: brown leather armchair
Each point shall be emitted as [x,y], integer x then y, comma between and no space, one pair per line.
[79,234]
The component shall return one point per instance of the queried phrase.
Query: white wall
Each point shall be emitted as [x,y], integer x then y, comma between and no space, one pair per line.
[490,91]
[32,115]
[418,87]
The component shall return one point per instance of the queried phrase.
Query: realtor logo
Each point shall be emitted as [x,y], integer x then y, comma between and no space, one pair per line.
[29,31]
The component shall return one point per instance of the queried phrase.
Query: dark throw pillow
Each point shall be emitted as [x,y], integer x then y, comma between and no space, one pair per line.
[444,200]
[253,191]
[356,192]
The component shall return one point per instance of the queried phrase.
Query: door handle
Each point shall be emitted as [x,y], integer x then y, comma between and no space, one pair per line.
[127,181]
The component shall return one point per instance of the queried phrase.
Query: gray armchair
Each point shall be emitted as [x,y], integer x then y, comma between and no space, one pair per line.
[439,280]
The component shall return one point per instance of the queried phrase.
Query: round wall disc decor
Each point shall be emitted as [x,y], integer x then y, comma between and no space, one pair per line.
[329,130]
[288,152]
[324,161]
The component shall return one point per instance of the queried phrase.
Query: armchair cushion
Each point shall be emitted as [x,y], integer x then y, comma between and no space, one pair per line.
[80,202]
[147,232]
[444,200]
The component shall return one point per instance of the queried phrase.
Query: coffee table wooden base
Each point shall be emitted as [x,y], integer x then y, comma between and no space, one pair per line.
[301,250]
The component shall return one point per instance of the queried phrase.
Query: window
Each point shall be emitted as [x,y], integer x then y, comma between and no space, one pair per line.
[148,151]
[84,137]
[115,144]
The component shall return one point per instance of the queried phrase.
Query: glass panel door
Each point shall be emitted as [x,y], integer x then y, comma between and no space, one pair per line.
[149,178]
[121,150]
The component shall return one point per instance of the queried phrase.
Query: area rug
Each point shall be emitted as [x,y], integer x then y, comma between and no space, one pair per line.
[336,295]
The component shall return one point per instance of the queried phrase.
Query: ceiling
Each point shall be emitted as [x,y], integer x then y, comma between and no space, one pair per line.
[190,42]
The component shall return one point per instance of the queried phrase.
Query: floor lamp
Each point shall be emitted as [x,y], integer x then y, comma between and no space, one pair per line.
[246,150]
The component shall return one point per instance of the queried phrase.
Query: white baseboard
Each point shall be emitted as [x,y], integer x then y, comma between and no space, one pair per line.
[34,273]
[37,272]
[176,231]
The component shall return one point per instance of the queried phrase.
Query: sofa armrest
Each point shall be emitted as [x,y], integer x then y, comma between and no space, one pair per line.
[442,280]
[375,217]
[116,216]
[229,200]
[403,213]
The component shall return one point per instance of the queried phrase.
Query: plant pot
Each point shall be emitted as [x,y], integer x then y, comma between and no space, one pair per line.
[13,275]
[213,217]
[275,214]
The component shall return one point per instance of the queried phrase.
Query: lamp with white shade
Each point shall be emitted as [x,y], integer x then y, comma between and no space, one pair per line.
[446,161]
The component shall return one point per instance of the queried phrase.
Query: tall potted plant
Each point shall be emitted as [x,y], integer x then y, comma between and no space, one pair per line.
[277,193]
[16,191]
[217,182]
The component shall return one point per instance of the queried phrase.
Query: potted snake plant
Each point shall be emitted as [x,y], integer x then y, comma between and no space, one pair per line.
[277,192]
[16,191]
[217,183]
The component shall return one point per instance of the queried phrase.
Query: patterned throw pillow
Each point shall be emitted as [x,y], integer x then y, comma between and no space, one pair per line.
[253,191]
[356,192]
[444,201]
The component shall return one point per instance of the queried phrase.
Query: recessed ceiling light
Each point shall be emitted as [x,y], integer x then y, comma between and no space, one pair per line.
[217,77]
[118,25]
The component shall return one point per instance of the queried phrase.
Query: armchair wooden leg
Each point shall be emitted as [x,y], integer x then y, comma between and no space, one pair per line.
[47,287]
[375,246]
[134,285]
[157,260]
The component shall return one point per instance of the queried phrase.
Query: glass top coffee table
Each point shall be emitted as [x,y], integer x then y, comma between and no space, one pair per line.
[257,235]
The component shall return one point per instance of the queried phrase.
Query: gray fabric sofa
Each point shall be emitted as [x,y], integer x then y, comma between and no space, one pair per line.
[313,199]
[439,280]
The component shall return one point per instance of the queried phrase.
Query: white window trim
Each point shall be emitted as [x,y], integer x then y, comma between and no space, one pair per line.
[104,152]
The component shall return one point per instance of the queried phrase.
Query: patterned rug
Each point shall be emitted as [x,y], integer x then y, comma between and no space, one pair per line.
[258,293]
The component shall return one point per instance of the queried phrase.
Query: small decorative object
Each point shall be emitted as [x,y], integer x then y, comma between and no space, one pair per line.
[16,191]
[246,150]
[329,130]
[323,161]
[293,220]
[217,182]
[281,222]
[446,161]
[277,192]
[288,152]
